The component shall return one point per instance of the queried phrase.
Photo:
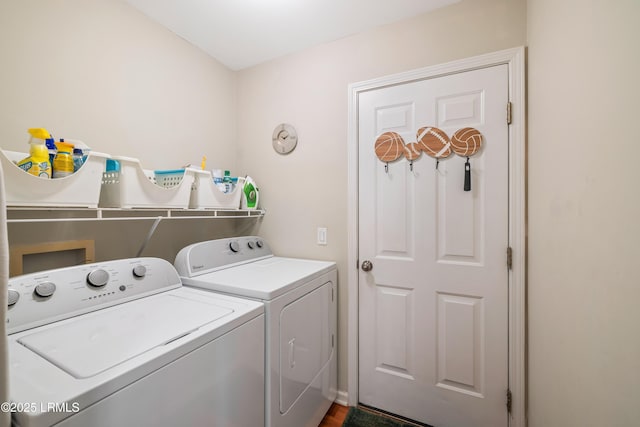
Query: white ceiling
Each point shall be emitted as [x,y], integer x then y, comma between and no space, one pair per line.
[243,33]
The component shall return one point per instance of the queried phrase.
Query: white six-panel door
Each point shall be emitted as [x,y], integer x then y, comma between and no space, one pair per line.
[433,311]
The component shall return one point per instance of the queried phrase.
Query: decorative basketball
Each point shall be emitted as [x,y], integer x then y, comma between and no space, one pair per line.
[412,151]
[434,142]
[389,146]
[466,142]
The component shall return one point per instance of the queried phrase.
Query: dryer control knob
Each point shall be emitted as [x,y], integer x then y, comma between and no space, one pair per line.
[139,271]
[98,278]
[13,297]
[45,289]
[259,243]
[250,245]
[234,246]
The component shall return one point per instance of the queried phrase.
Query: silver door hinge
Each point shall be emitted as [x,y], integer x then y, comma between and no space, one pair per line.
[508,401]
[509,257]
[332,343]
[331,294]
[508,113]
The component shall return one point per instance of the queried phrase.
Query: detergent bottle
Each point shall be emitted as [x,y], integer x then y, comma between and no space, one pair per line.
[63,161]
[38,163]
[228,182]
[78,159]
[250,194]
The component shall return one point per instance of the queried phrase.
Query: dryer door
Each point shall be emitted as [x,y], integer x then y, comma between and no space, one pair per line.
[305,343]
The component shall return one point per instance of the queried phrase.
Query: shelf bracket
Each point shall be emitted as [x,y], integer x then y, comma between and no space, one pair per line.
[149,235]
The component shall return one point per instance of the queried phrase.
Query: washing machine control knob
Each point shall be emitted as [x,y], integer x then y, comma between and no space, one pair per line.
[234,246]
[13,297]
[98,278]
[250,245]
[45,289]
[139,271]
[259,243]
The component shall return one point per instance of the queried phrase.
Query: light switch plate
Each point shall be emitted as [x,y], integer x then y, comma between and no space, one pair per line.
[322,236]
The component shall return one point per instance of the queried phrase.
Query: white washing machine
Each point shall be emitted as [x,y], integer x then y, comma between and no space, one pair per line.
[300,298]
[122,343]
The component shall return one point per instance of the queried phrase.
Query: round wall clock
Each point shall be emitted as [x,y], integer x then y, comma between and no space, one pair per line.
[284,138]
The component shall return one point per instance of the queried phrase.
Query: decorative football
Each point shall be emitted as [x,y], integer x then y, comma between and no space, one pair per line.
[412,151]
[434,142]
[389,146]
[466,142]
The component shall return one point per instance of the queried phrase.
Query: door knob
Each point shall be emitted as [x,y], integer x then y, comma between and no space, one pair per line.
[366,265]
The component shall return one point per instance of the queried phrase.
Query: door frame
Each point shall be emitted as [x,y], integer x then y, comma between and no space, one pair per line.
[515,59]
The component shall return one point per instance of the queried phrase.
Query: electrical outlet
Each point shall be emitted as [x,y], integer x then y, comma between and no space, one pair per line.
[322,236]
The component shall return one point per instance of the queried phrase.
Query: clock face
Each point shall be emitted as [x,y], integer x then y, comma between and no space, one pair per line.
[284,138]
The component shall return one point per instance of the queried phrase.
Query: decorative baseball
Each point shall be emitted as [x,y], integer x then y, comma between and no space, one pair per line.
[466,142]
[389,147]
[434,142]
[412,151]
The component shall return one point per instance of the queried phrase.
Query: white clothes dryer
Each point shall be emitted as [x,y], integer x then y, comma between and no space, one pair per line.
[122,343]
[300,298]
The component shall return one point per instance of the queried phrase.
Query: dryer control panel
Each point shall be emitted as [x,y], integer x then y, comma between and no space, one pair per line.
[213,255]
[40,298]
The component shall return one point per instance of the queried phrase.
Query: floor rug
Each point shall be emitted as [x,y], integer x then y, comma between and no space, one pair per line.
[357,417]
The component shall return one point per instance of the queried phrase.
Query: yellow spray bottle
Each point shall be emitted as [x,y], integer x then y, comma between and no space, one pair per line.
[38,162]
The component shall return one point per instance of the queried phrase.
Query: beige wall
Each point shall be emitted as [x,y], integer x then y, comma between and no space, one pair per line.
[308,188]
[584,205]
[101,72]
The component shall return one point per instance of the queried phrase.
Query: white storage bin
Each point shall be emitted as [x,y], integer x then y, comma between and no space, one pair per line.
[168,179]
[134,187]
[81,189]
[205,194]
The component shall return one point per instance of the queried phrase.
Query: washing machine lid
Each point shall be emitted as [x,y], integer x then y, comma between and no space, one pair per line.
[88,345]
[264,279]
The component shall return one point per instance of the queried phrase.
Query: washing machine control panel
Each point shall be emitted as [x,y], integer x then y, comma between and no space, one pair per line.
[212,255]
[48,296]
